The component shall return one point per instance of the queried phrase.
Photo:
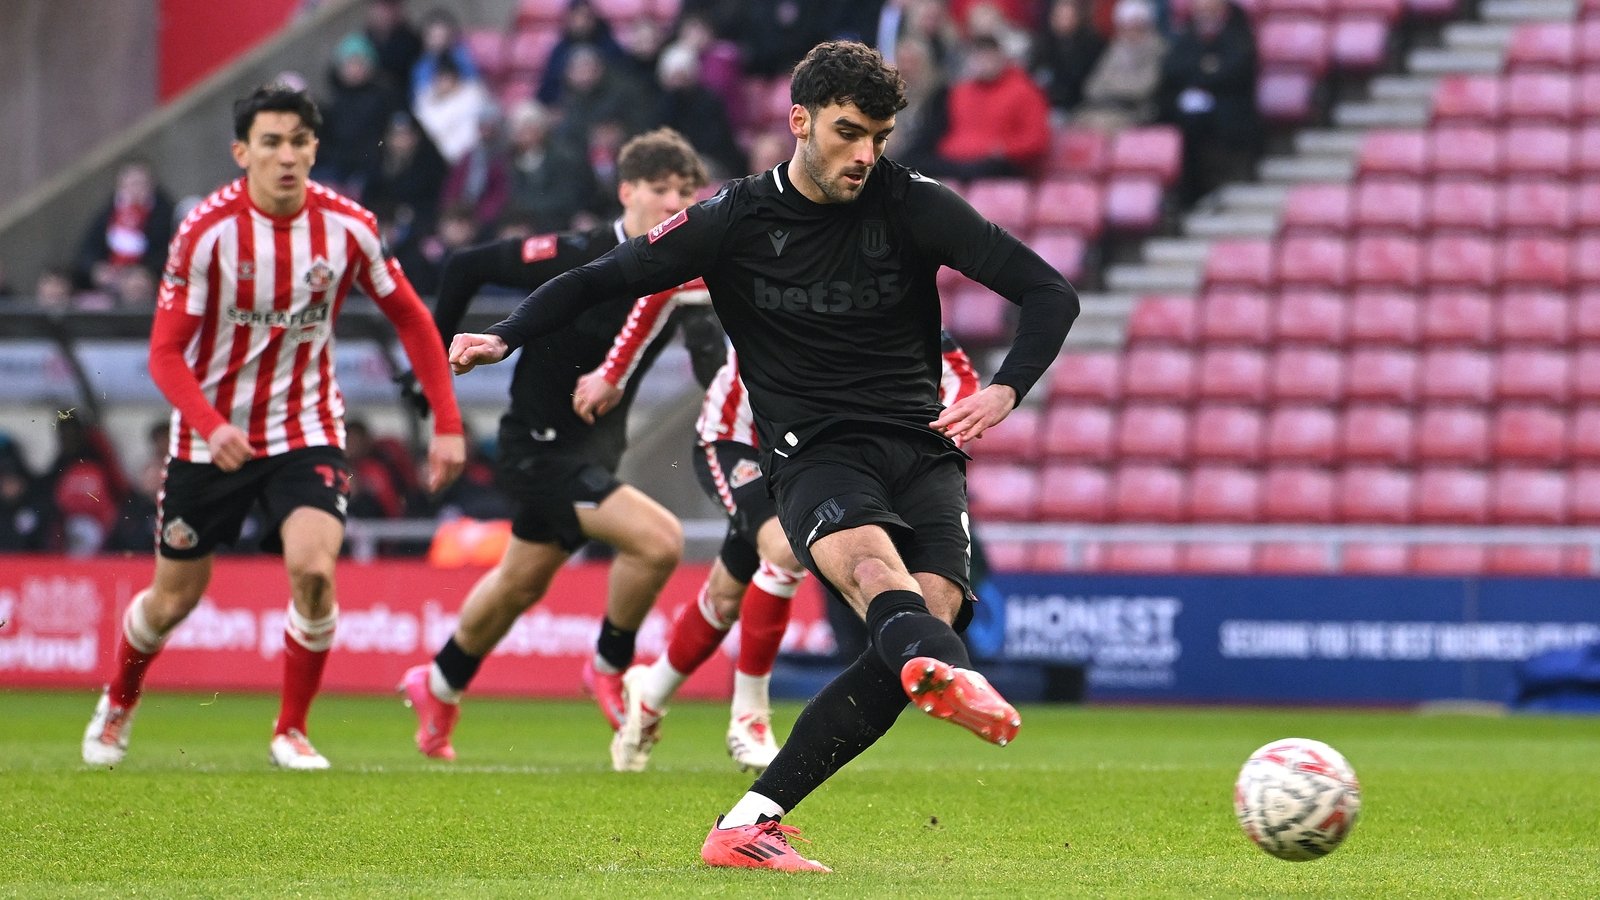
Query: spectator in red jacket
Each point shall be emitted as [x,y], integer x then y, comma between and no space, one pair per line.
[999,119]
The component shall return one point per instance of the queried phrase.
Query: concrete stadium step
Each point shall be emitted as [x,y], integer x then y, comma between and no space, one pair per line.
[1226,224]
[1382,114]
[1252,197]
[1152,279]
[1327,142]
[1477,35]
[1301,168]
[1446,61]
[1402,88]
[1183,251]
[1528,10]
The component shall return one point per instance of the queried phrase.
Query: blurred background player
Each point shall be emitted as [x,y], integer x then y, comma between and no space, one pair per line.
[755,574]
[559,469]
[242,346]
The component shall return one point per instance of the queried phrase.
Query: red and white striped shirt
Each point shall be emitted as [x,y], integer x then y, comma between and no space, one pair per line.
[243,332]
[725,413]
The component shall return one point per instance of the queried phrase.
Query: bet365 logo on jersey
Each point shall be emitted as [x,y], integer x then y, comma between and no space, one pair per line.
[830,296]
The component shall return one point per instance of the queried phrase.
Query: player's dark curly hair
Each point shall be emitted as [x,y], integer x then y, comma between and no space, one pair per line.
[848,72]
[658,154]
[274,98]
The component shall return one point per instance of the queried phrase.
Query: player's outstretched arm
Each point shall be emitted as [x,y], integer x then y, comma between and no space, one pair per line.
[468,351]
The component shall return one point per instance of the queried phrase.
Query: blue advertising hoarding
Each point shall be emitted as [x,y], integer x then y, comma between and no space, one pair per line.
[1268,639]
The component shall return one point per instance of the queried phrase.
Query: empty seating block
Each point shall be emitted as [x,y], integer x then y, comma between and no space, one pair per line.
[1453,434]
[1153,150]
[1241,261]
[1534,375]
[1153,433]
[1003,492]
[1303,434]
[1387,261]
[1307,375]
[1236,317]
[1378,434]
[1217,556]
[1376,495]
[1164,320]
[1015,439]
[1533,316]
[1297,494]
[1074,493]
[1313,261]
[1384,317]
[1452,496]
[1234,434]
[1007,202]
[1318,207]
[1153,373]
[1089,375]
[1524,496]
[1458,204]
[1070,203]
[1145,493]
[1233,374]
[1310,316]
[1533,434]
[1467,99]
[1079,433]
[1390,204]
[1382,375]
[1460,376]
[1454,316]
[1394,152]
[1224,494]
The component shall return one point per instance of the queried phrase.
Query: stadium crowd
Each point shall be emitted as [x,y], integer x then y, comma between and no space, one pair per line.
[453,137]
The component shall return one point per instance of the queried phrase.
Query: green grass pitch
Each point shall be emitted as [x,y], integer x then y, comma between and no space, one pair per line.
[1089,802]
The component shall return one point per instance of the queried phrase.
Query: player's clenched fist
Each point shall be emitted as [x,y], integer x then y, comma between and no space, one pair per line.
[469,350]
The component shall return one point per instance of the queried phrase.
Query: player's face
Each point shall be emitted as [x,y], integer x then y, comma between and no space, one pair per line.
[647,203]
[277,160]
[838,148]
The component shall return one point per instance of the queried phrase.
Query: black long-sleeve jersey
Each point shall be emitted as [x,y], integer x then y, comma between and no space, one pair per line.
[548,370]
[832,308]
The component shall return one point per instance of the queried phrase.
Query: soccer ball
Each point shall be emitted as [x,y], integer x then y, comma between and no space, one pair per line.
[1297,799]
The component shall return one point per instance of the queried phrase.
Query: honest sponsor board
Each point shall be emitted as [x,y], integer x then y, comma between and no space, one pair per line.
[1269,639]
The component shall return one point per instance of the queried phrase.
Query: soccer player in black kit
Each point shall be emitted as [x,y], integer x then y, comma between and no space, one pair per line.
[557,468]
[822,272]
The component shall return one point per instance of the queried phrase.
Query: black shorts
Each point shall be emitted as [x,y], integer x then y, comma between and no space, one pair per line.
[547,489]
[915,486]
[730,474]
[202,506]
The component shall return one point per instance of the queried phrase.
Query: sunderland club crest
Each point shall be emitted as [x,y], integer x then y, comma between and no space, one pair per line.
[179,535]
[320,276]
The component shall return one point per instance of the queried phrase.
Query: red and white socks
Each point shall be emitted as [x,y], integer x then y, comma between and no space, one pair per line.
[140,643]
[306,643]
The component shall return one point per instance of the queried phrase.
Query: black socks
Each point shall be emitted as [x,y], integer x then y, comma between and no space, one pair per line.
[901,628]
[458,665]
[615,645]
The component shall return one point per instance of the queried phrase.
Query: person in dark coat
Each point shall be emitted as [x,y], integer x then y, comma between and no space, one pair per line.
[1208,90]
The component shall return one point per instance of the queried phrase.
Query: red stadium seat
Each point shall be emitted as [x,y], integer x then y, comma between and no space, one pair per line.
[1381,375]
[1055,556]
[1301,43]
[1158,373]
[1588,105]
[1087,375]
[1583,435]
[1586,202]
[977,315]
[1153,150]
[1074,493]
[1145,493]
[1284,558]
[1534,375]
[1235,316]
[1018,438]
[1453,434]
[1318,207]
[1070,203]
[1451,496]
[1540,205]
[1389,204]
[1376,495]
[1302,434]
[1529,497]
[1228,434]
[1465,151]
[1543,45]
[1456,376]
[1359,44]
[539,12]
[1285,96]
[1461,260]
[1587,41]
[1224,494]
[1544,150]
[1245,262]
[1449,559]
[1002,492]
[1468,100]
[530,50]
[1079,152]
[1538,559]
[1586,317]
[1586,375]
[1233,374]
[1387,10]
[1133,204]
[1008,556]
[1164,320]
[1540,97]
[1458,204]
[487,47]
[1313,261]
[1585,259]
[1380,434]
[1063,250]
[1141,556]
[1216,556]
[1385,317]
[1387,261]
[1542,261]
[1394,152]
[1307,375]
[1586,151]
[1310,317]
[1079,433]
[1007,202]
[1458,317]
[1297,494]
[1153,433]
[1373,559]
[1583,496]
[1537,318]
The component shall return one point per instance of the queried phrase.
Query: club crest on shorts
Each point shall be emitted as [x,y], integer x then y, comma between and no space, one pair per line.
[179,535]
[746,471]
[320,276]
